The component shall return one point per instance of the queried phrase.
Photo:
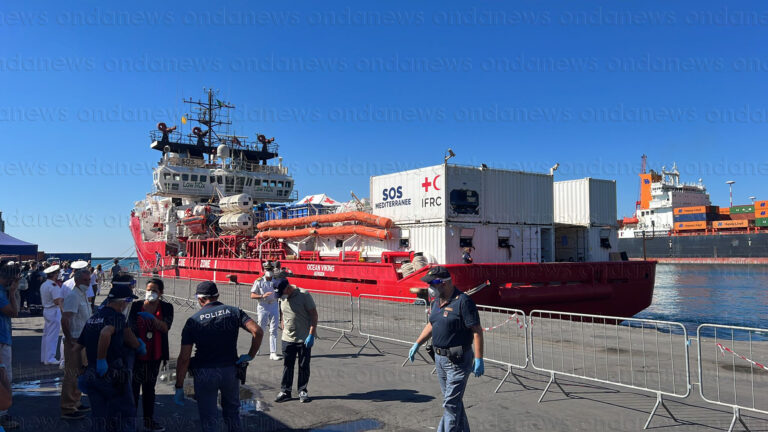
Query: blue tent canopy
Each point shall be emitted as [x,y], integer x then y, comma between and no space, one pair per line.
[13,246]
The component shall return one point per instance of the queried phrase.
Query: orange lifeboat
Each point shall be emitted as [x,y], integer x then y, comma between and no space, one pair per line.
[362,217]
[630,220]
[379,234]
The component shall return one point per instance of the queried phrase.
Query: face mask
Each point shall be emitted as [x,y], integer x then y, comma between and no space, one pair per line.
[151,296]
[83,288]
[433,292]
[126,309]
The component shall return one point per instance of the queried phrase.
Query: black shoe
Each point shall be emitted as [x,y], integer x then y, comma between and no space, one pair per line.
[75,415]
[282,397]
[153,426]
[304,397]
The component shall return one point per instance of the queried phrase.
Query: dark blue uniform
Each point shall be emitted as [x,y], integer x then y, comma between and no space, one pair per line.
[452,337]
[110,396]
[214,330]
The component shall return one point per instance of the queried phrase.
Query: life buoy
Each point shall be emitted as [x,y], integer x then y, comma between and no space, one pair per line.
[162,127]
[197,131]
[188,212]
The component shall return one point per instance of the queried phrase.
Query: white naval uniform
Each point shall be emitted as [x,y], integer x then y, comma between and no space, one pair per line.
[267,311]
[49,291]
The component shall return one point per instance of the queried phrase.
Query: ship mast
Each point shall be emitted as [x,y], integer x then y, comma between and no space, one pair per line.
[208,115]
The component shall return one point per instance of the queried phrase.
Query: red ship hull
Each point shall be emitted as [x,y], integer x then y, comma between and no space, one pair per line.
[602,288]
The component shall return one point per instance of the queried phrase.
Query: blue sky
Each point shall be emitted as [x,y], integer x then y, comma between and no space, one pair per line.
[359,88]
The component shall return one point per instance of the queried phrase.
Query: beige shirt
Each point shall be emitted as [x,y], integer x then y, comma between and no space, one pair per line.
[77,303]
[296,318]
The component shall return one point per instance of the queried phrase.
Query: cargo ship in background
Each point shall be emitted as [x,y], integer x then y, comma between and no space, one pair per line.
[221,209]
[676,222]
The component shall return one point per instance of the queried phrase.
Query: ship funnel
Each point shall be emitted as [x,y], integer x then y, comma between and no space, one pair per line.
[222,152]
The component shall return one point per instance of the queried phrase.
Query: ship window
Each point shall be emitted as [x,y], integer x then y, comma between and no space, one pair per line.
[202,179]
[176,177]
[166,176]
[219,180]
[288,184]
[193,177]
[266,182]
[273,183]
[279,184]
[174,186]
[279,192]
[185,177]
[213,179]
[241,181]
[247,182]
[465,201]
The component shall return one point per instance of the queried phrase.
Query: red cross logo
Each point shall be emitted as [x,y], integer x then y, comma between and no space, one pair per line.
[426,184]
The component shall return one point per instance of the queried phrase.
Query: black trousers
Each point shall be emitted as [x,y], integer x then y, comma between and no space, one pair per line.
[290,352]
[145,375]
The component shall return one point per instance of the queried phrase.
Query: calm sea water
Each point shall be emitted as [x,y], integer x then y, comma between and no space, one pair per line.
[106,263]
[716,294]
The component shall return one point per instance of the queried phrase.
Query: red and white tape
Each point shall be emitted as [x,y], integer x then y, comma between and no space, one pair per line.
[723,349]
[515,317]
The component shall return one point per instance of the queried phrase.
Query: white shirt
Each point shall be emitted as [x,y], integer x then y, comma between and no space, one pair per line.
[49,291]
[69,285]
[263,286]
[77,303]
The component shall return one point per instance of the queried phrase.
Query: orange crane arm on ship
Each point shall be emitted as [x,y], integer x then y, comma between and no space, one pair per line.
[380,234]
[362,217]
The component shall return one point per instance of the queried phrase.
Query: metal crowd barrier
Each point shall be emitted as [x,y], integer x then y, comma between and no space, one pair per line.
[639,354]
[335,312]
[506,339]
[731,358]
[393,319]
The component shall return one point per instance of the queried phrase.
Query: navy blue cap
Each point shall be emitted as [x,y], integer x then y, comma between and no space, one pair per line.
[437,272]
[281,286]
[121,290]
[207,288]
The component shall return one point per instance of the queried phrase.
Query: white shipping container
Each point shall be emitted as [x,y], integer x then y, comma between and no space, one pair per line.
[579,244]
[464,194]
[585,202]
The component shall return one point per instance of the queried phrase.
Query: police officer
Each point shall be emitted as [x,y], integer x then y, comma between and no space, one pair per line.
[107,379]
[454,325]
[214,330]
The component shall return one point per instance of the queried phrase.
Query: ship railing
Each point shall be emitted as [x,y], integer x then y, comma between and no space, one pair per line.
[393,319]
[505,337]
[639,354]
[733,368]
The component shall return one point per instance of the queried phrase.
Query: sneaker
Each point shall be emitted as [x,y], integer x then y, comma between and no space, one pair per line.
[274,356]
[282,397]
[8,423]
[75,415]
[153,426]
[304,397]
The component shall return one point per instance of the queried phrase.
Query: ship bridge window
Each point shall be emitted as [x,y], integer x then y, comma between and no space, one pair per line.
[465,201]
[213,179]
[219,180]
[185,177]
[229,184]
[193,177]
[266,183]
[273,183]
[176,177]
[174,186]
[288,184]
[166,176]
[202,178]
[279,184]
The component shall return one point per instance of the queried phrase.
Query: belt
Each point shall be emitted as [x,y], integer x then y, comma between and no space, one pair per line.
[445,352]
[50,307]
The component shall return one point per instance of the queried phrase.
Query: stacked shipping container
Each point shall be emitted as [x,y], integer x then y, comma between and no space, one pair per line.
[761,213]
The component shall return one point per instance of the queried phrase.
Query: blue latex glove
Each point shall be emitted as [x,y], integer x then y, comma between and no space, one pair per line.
[413,350]
[146,315]
[479,369]
[309,341]
[101,367]
[178,397]
[245,358]
[142,349]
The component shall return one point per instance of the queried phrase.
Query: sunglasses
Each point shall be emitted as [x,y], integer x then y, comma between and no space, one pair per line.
[436,282]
